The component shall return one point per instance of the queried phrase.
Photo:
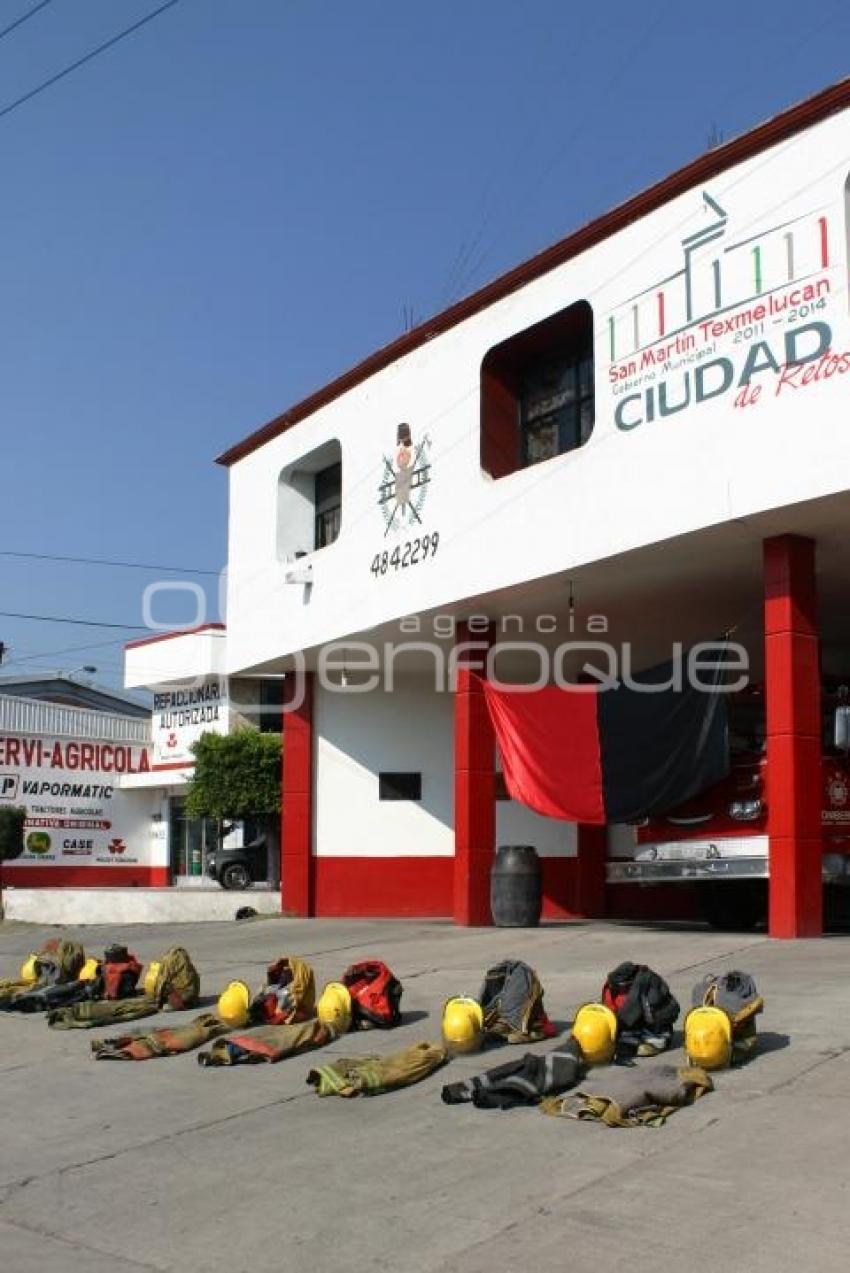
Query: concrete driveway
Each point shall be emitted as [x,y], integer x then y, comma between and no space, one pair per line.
[163,1165]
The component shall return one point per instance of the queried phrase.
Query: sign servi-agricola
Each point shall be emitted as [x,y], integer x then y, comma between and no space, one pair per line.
[76,813]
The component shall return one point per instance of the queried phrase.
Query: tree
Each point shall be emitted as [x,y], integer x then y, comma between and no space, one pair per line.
[12,819]
[236,776]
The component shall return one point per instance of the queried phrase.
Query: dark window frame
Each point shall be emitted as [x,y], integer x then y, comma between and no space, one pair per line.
[328,505]
[271,706]
[565,341]
[400,785]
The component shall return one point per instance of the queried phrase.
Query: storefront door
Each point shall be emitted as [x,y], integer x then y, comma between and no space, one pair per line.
[190,840]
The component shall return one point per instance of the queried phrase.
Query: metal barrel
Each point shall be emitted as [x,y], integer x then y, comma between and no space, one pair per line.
[516,892]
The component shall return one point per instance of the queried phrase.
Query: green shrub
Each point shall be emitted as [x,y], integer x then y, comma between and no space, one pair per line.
[12,819]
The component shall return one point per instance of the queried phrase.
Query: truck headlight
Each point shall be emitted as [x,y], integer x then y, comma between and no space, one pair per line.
[834,865]
[745,810]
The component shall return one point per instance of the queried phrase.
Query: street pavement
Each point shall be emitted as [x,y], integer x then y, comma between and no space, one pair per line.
[162,1165]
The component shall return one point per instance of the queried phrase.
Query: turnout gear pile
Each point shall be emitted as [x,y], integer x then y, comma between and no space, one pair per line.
[288,995]
[371,1075]
[48,979]
[138,1045]
[643,1096]
[177,984]
[89,1013]
[463,1025]
[735,994]
[595,1032]
[119,973]
[59,961]
[512,1002]
[45,995]
[375,995]
[270,1043]
[525,1081]
[644,1007]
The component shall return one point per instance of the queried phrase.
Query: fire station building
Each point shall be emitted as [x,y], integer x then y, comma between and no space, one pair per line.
[638,438]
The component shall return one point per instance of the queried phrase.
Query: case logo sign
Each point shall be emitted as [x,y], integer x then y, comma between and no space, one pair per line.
[405,481]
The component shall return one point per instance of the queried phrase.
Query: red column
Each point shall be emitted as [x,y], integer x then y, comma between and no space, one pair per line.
[475,788]
[296,821]
[792,689]
[592,850]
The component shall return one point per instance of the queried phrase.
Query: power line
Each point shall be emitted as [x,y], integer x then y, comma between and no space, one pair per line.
[30,13]
[83,623]
[105,561]
[65,649]
[81,61]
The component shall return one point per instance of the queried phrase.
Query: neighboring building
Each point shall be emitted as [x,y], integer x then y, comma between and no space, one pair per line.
[646,424]
[104,777]
[192,695]
[67,766]
[65,689]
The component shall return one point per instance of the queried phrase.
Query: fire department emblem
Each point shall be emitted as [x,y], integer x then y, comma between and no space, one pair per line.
[838,792]
[405,481]
[116,845]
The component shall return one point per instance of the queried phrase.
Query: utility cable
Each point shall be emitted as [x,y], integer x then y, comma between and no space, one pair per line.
[105,561]
[30,13]
[83,623]
[81,61]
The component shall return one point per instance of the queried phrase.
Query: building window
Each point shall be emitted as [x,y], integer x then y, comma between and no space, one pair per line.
[398,786]
[271,707]
[556,406]
[309,502]
[537,398]
[328,499]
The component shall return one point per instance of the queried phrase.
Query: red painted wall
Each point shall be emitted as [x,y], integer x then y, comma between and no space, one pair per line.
[383,887]
[85,876]
[419,887]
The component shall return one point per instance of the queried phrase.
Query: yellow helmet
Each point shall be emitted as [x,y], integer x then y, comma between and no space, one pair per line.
[233,1003]
[708,1038]
[595,1031]
[334,1007]
[463,1024]
[29,969]
[89,970]
[150,978]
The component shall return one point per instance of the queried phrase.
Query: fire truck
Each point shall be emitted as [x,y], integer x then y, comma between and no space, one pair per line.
[718,840]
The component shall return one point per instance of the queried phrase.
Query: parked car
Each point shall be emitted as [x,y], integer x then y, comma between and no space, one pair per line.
[239,868]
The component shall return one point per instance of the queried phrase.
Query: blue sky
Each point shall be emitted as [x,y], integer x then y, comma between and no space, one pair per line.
[245,197]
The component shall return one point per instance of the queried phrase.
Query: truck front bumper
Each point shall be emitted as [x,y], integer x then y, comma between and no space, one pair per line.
[647,872]
[835,867]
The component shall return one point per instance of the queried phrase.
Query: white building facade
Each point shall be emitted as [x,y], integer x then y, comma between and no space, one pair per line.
[638,437]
